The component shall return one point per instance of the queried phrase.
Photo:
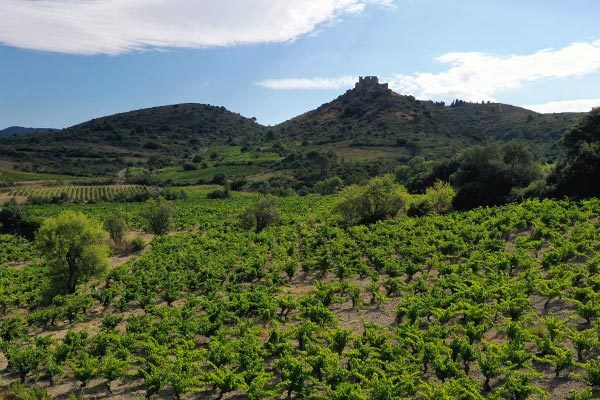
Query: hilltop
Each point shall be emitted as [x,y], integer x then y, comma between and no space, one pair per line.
[164,134]
[373,115]
[368,125]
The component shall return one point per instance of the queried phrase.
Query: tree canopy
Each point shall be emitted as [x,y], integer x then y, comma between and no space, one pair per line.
[579,175]
[379,199]
[487,175]
[75,247]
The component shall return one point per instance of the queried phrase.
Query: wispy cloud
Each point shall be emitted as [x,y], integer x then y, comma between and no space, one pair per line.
[578,105]
[118,26]
[476,76]
[480,76]
[309,83]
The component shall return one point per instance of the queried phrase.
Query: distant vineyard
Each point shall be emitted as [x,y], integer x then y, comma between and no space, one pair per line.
[82,194]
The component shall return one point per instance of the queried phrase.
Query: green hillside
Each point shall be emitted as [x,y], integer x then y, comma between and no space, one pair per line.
[367,130]
[159,135]
[374,116]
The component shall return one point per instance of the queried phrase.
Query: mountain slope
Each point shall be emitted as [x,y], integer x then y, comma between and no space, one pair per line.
[372,115]
[367,124]
[108,144]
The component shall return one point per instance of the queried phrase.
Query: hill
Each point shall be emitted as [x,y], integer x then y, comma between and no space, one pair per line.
[371,115]
[158,135]
[19,130]
[369,128]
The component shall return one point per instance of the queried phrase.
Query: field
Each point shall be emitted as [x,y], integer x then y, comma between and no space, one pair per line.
[82,194]
[492,303]
[179,175]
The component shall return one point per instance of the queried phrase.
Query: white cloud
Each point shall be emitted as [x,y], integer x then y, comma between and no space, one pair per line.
[309,83]
[119,26]
[476,76]
[578,105]
[479,76]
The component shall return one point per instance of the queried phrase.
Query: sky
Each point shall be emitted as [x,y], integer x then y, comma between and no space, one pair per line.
[64,62]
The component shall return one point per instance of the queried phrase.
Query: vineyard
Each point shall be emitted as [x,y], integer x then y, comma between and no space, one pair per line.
[498,303]
[80,194]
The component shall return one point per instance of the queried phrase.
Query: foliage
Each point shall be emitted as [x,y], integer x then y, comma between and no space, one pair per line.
[260,215]
[379,199]
[116,224]
[487,175]
[578,176]
[75,248]
[158,216]
[329,185]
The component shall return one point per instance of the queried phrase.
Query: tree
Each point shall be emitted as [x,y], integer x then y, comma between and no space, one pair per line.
[379,199]
[158,216]
[487,175]
[116,225]
[328,186]
[260,215]
[578,175]
[75,247]
[11,216]
[14,219]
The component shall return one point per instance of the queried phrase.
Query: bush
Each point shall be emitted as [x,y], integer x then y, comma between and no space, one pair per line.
[11,216]
[116,225]
[158,216]
[219,179]
[379,199]
[138,244]
[219,194]
[189,166]
[419,208]
[260,215]
[329,186]
[440,196]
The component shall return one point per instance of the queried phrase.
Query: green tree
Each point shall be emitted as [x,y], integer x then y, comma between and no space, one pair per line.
[260,215]
[116,224]
[329,185]
[379,199]
[487,175]
[75,247]
[158,216]
[578,176]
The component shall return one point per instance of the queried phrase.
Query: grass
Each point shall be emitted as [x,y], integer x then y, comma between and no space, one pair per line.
[179,175]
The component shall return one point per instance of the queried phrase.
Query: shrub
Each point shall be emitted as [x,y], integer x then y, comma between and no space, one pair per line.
[379,199]
[219,194]
[260,215]
[158,216]
[189,166]
[440,196]
[138,244]
[219,179]
[116,225]
[328,186]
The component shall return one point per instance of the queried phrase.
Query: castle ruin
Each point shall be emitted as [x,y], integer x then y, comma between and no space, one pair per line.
[370,83]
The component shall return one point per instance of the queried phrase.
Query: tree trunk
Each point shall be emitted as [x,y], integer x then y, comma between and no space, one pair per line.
[72,276]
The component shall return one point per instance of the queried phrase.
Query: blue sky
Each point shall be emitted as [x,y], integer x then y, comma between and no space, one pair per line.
[66,61]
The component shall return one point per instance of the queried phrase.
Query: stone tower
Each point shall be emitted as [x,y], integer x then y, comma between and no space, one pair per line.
[370,83]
